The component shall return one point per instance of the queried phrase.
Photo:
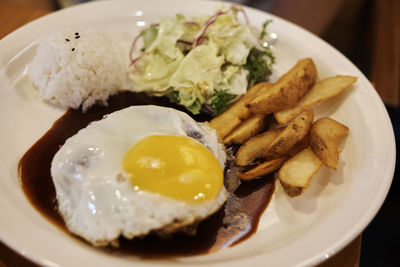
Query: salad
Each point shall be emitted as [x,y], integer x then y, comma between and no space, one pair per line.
[203,63]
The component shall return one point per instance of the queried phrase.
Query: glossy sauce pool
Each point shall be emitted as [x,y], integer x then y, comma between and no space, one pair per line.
[218,231]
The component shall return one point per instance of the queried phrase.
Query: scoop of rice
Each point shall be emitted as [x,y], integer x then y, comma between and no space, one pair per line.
[78,67]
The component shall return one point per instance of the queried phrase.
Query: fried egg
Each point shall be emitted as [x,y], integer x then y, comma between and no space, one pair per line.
[139,170]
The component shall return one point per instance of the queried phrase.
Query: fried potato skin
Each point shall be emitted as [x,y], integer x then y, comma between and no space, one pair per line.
[291,134]
[235,114]
[296,173]
[300,145]
[324,136]
[262,169]
[255,146]
[322,90]
[287,91]
[250,127]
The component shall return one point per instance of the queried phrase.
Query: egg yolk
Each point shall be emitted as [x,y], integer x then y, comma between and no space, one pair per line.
[178,167]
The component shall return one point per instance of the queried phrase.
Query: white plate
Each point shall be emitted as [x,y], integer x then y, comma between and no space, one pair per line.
[299,231]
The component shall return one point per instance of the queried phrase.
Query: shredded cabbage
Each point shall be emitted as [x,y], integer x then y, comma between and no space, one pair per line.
[201,63]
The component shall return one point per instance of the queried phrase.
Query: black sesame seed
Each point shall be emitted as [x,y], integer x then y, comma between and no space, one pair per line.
[77,33]
[66,39]
[77,37]
[73,49]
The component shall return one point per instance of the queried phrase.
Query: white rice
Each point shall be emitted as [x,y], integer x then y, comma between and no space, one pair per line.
[73,71]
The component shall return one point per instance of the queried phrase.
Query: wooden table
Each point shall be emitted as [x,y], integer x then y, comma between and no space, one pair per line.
[12,17]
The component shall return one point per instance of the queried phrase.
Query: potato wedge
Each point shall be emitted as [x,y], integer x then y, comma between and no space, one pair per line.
[250,127]
[235,114]
[296,173]
[324,137]
[322,90]
[262,169]
[255,146]
[300,145]
[291,134]
[287,91]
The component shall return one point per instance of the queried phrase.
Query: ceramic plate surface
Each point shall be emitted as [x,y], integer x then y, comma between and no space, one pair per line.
[292,231]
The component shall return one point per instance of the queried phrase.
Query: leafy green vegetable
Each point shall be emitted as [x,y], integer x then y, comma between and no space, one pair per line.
[204,62]
[220,101]
[149,35]
[259,64]
[195,107]
[263,33]
[173,96]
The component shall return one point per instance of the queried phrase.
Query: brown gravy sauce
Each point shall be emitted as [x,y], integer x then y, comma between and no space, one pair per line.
[251,197]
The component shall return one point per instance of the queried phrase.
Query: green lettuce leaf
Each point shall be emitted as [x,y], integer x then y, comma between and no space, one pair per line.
[259,64]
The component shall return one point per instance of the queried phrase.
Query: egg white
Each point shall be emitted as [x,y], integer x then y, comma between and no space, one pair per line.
[95,197]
